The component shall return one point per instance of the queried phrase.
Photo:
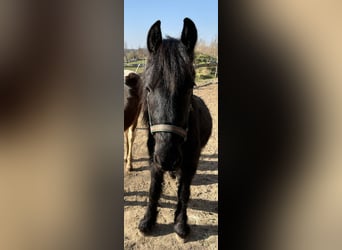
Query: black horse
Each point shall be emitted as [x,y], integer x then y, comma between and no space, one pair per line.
[180,123]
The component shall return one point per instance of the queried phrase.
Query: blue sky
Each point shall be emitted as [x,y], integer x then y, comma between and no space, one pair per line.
[139,15]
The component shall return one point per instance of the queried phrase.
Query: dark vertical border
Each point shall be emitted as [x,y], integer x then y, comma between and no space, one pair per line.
[117,216]
[257,112]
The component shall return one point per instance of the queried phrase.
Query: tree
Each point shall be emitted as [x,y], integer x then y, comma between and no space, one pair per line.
[142,53]
[213,47]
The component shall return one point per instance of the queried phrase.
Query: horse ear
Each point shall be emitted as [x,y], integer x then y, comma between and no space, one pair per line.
[154,37]
[189,34]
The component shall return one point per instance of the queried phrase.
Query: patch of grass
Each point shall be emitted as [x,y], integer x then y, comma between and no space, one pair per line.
[201,58]
[139,71]
[203,74]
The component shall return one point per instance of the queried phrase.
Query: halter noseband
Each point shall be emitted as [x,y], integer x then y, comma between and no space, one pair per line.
[168,128]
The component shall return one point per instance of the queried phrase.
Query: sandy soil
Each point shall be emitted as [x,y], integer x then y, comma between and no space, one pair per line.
[203,205]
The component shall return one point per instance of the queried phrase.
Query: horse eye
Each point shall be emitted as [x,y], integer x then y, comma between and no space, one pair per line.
[148,89]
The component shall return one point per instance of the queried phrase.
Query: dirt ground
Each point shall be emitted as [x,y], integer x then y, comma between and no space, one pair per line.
[203,204]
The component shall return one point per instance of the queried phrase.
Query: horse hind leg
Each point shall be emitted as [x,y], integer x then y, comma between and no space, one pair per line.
[127,146]
[130,139]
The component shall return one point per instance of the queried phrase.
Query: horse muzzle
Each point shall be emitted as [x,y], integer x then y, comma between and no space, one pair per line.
[167,162]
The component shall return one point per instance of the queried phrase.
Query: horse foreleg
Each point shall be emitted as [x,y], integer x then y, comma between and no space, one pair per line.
[150,217]
[150,147]
[181,227]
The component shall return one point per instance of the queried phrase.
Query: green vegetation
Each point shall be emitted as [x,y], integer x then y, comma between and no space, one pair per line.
[206,70]
[136,65]
[205,65]
[201,58]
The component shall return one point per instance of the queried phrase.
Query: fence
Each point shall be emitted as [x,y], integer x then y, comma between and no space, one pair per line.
[138,66]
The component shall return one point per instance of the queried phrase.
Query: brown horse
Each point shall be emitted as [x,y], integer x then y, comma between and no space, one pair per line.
[132,92]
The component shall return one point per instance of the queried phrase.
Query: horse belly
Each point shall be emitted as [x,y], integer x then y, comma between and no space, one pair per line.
[205,121]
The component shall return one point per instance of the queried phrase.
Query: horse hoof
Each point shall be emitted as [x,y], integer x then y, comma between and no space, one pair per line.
[145,226]
[182,240]
[182,230]
[129,167]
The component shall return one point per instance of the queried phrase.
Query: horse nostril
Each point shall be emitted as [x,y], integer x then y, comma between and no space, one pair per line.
[167,162]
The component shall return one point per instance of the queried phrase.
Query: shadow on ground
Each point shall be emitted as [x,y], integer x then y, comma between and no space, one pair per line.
[196,204]
[198,232]
[204,165]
